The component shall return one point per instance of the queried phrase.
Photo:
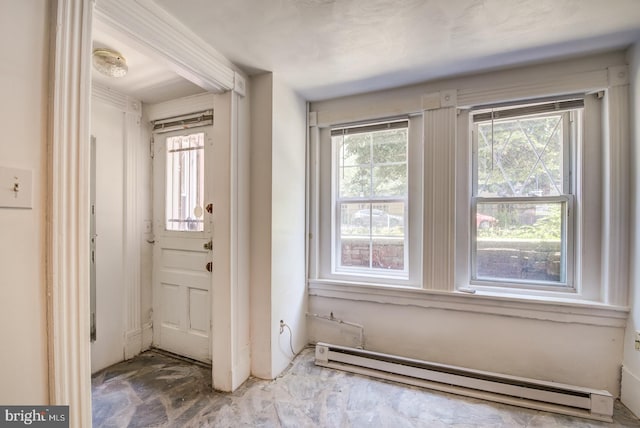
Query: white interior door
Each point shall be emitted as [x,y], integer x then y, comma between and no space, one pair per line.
[182,258]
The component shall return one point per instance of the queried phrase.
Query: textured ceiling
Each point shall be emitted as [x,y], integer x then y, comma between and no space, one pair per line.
[148,80]
[329,48]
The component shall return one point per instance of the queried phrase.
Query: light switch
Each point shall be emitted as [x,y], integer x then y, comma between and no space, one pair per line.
[15,188]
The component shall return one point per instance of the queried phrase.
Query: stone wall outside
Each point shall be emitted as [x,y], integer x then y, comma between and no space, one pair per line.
[515,259]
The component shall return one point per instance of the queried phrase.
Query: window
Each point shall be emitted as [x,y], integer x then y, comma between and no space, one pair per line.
[185,183]
[522,210]
[371,197]
[513,192]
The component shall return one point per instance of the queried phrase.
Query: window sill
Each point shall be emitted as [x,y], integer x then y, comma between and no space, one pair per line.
[531,307]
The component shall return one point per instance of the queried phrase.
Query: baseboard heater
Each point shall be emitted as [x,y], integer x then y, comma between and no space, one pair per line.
[517,391]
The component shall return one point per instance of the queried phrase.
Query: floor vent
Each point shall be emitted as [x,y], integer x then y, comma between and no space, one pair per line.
[517,391]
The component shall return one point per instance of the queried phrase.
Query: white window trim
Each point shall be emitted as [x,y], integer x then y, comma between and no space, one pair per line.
[576,289]
[323,181]
[559,309]
[586,244]
[572,147]
[367,272]
[600,276]
[568,244]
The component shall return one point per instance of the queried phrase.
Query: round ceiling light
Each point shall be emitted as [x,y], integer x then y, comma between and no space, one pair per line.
[109,62]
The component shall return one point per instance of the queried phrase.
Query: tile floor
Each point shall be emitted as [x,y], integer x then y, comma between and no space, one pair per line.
[158,390]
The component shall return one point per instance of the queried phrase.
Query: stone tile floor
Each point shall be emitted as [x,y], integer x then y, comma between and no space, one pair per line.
[158,390]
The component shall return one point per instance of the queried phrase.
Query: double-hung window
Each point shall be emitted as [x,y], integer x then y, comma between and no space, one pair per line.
[523,200]
[370,200]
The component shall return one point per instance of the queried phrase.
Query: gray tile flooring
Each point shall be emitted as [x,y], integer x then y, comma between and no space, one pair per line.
[157,390]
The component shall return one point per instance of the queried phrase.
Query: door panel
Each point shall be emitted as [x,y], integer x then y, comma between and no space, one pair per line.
[170,315]
[198,302]
[182,284]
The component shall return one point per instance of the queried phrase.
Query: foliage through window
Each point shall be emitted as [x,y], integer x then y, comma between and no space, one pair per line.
[371,199]
[522,202]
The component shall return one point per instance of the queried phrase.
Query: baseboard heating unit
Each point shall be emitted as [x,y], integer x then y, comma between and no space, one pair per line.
[517,391]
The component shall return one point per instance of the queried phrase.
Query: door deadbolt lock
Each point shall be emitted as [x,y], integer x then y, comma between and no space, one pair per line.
[208,245]
[210,267]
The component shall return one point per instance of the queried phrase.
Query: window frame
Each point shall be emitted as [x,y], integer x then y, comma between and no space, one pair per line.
[601,177]
[327,209]
[573,130]
[337,201]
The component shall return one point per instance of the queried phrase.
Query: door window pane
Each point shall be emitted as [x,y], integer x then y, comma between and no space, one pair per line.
[185,183]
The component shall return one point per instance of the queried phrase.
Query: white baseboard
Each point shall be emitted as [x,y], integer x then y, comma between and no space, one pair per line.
[147,336]
[137,341]
[630,391]
[132,344]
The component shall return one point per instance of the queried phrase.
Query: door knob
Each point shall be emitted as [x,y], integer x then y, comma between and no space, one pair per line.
[210,267]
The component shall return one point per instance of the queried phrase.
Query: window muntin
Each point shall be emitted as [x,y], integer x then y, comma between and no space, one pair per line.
[522,204]
[371,191]
[185,182]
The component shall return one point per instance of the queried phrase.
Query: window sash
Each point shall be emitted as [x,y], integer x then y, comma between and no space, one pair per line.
[568,149]
[371,271]
[565,198]
[371,200]
[567,250]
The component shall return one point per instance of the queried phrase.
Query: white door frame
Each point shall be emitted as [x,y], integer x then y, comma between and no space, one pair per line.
[68,158]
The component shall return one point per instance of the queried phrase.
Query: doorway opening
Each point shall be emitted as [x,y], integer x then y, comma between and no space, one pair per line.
[127,242]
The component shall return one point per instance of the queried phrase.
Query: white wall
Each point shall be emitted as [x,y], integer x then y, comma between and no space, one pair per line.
[107,126]
[123,204]
[288,285]
[241,170]
[630,394]
[24,37]
[277,224]
[261,189]
[571,353]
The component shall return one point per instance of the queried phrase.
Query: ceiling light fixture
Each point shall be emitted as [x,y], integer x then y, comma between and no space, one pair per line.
[109,62]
